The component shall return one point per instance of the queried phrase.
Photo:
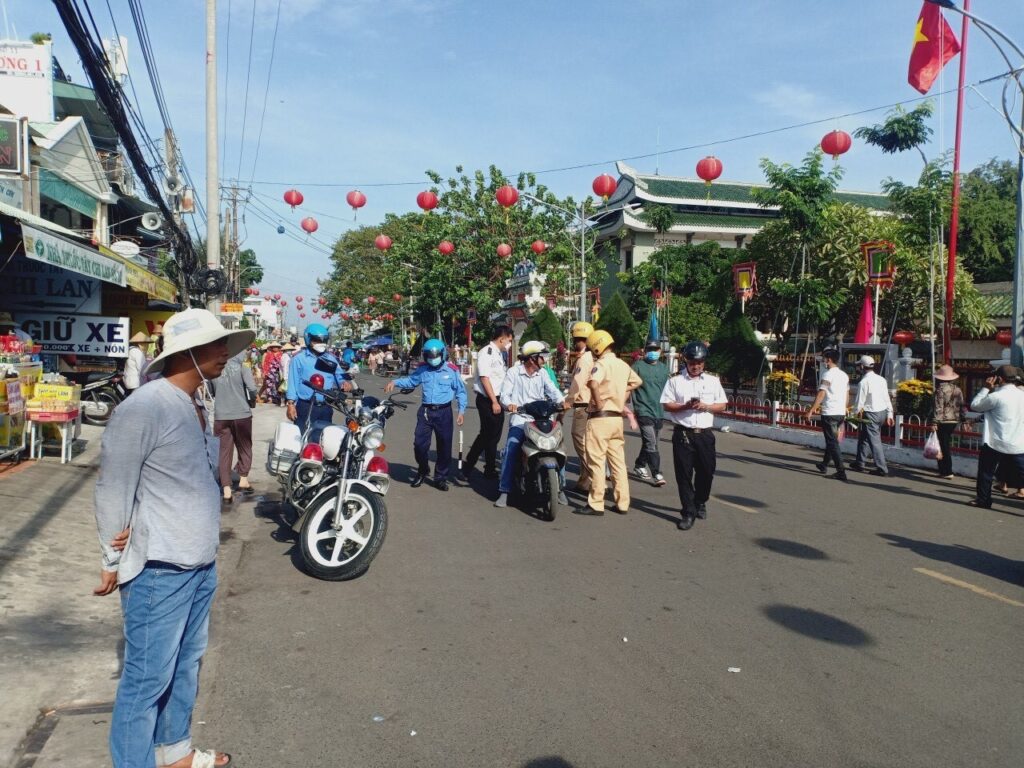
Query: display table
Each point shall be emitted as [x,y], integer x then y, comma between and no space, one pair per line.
[69,424]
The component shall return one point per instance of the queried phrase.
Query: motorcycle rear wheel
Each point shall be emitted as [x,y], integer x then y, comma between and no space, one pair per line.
[98,406]
[553,487]
[346,554]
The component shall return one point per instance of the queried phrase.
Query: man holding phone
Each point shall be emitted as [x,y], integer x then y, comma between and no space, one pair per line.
[1002,436]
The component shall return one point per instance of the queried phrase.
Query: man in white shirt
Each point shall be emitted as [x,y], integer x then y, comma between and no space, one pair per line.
[832,400]
[874,405]
[690,401]
[1002,436]
[136,363]
[490,373]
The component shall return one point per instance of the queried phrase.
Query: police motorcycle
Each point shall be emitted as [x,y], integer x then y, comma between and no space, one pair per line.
[542,455]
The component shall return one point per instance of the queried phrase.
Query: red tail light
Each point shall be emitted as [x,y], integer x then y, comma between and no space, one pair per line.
[378,465]
[313,452]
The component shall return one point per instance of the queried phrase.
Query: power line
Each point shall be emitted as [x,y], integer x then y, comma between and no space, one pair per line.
[266,91]
[245,105]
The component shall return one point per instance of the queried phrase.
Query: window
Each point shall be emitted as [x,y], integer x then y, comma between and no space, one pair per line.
[627,260]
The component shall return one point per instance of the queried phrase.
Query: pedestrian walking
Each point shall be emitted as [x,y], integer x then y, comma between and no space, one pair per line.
[440,385]
[649,412]
[306,407]
[874,406]
[135,365]
[273,364]
[948,411]
[611,380]
[491,368]
[158,516]
[234,394]
[691,399]
[1002,436]
[832,401]
[579,398]
[526,382]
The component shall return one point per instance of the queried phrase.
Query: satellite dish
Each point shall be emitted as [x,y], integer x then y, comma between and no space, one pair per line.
[173,186]
[152,221]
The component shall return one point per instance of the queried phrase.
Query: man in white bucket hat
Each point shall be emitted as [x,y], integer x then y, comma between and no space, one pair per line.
[158,513]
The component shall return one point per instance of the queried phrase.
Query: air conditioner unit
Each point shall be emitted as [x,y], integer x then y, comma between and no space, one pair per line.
[152,221]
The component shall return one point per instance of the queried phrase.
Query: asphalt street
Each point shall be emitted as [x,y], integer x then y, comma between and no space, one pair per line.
[807,622]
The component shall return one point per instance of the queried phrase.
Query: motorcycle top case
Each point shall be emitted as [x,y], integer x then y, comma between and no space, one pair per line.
[285,449]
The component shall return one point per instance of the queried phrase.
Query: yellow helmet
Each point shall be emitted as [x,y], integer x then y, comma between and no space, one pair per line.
[582,330]
[599,341]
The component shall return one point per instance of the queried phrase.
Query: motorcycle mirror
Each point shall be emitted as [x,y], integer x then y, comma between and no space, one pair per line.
[325,365]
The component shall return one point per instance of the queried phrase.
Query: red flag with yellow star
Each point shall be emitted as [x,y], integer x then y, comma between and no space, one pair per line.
[934,45]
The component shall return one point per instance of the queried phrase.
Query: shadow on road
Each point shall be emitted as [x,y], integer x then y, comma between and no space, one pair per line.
[817,625]
[791,549]
[548,762]
[743,501]
[979,561]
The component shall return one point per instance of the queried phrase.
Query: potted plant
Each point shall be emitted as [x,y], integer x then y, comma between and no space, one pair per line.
[782,386]
[914,398]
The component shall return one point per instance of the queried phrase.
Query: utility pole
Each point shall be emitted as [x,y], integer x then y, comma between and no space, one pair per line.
[212,179]
[171,159]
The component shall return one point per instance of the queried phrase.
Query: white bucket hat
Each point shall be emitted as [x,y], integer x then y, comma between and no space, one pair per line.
[193,328]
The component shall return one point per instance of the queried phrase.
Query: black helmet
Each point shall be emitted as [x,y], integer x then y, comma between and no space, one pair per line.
[696,351]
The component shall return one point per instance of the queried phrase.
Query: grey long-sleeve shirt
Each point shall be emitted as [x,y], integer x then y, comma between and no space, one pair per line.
[229,392]
[157,475]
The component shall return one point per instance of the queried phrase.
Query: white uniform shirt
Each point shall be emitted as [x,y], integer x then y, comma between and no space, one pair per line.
[1004,418]
[873,394]
[836,384]
[490,362]
[133,367]
[682,389]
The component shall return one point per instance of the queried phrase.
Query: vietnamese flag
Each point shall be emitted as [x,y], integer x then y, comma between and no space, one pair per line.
[934,45]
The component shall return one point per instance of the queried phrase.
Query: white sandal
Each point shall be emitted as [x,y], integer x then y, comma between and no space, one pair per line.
[208,759]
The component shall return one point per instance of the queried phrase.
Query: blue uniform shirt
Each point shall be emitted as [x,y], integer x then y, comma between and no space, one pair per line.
[348,355]
[439,384]
[302,366]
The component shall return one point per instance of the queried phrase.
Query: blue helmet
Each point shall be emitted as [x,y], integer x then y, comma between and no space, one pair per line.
[316,333]
[434,352]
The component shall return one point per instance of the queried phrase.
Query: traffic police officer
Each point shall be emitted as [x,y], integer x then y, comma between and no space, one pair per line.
[304,405]
[440,383]
[690,401]
[579,397]
[610,383]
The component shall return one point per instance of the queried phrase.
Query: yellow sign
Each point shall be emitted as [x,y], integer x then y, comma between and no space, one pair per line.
[149,322]
[141,279]
[232,309]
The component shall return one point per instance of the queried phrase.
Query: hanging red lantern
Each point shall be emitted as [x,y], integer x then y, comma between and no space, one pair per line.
[604,186]
[397,297]
[426,200]
[382,242]
[284,303]
[302,314]
[324,316]
[446,247]
[293,197]
[709,169]
[298,306]
[836,143]
[504,250]
[277,297]
[321,301]
[371,300]
[507,196]
[1004,337]
[255,291]
[347,301]
[344,315]
[309,224]
[538,247]
[903,338]
[356,199]
[355,316]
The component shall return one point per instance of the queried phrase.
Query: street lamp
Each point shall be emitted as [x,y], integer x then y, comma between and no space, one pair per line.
[992,32]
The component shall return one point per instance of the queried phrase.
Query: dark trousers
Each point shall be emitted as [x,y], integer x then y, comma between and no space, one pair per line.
[830,428]
[486,442]
[234,434]
[433,421]
[649,456]
[945,435]
[307,410]
[989,460]
[693,454]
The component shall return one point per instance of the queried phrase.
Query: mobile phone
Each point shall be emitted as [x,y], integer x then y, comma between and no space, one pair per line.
[694,400]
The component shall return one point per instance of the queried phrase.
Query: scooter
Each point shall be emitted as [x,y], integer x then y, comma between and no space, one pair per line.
[542,455]
[101,392]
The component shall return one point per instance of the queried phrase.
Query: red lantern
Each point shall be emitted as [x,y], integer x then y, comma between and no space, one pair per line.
[277,297]
[538,247]
[284,303]
[344,315]
[293,197]
[903,338]
[323,316]
[347,301]
[426,200]
[382,242]
[298,306]
[1004,337]
[836,143]
[604,186]
[709,169]
[255,291]
[321,301]
[302,314]
[446,247]
[356,199]
[397,297]
[371,299]
[309,224]
[504,250]
[506,196]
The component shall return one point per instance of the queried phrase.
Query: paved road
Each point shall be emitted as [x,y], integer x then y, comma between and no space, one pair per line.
[807,622]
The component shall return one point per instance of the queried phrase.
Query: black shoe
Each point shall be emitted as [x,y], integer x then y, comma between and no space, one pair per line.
[462,476]
[856,466]
[702,512]
[492,474]
[978,504]
[442,485]
[841,478]
[880,473]
[418,480]
[822,467]
[586,509]
[686,523]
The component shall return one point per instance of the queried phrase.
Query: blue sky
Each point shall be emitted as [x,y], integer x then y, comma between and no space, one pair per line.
[374,92]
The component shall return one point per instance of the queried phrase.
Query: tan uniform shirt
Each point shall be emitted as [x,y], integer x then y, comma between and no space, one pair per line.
[579,392]
[614,379]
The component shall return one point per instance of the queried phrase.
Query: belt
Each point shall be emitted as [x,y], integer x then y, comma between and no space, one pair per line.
[603,414]
[580,405]
[693,429]
[430,407]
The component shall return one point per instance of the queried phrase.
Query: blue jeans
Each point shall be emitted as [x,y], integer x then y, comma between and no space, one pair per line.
[166,620]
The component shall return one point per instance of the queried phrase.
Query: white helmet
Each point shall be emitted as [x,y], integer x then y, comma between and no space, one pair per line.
[531,348]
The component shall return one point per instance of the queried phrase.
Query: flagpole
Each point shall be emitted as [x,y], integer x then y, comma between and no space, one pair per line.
[954,219]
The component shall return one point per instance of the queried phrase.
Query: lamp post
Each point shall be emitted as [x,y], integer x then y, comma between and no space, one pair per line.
[1016,72]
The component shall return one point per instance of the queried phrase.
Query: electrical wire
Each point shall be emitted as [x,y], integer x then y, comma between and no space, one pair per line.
[245,103]
[266,91]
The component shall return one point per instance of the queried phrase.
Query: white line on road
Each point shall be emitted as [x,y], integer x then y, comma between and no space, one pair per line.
[740,507]
[968,586]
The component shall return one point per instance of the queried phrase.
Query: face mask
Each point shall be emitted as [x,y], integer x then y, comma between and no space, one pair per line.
[435,362]
[653,356]
[319,348]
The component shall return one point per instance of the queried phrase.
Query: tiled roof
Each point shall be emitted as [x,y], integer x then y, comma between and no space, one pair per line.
[997,304]
[720,220]
[736,193]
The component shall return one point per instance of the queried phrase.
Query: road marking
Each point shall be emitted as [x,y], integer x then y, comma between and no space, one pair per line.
[968,586]
[740,507]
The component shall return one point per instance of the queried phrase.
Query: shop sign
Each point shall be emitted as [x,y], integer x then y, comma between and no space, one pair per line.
[13,149]
[123,301]
[45,246]
[11,192]
[29,286]
[77,334]
[54,187]
[141,279]
[232,309]
[26,79]
[149,322]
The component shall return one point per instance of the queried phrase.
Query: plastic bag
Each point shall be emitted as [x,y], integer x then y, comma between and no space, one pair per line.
[932,450]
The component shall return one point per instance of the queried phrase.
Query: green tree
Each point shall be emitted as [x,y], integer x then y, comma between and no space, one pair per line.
[901,130]
[616,318]
[736,354]
[691,320]
[544,326]
[249,270]
[988,225]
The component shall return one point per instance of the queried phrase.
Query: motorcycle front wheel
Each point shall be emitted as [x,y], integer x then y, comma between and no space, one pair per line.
[98,406]
[339,555]
[551,502]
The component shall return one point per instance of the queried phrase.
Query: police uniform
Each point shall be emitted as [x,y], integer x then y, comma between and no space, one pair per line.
[434,416]
[490,364]
[610,383]
[693,442]
[309,406]
[579,396]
